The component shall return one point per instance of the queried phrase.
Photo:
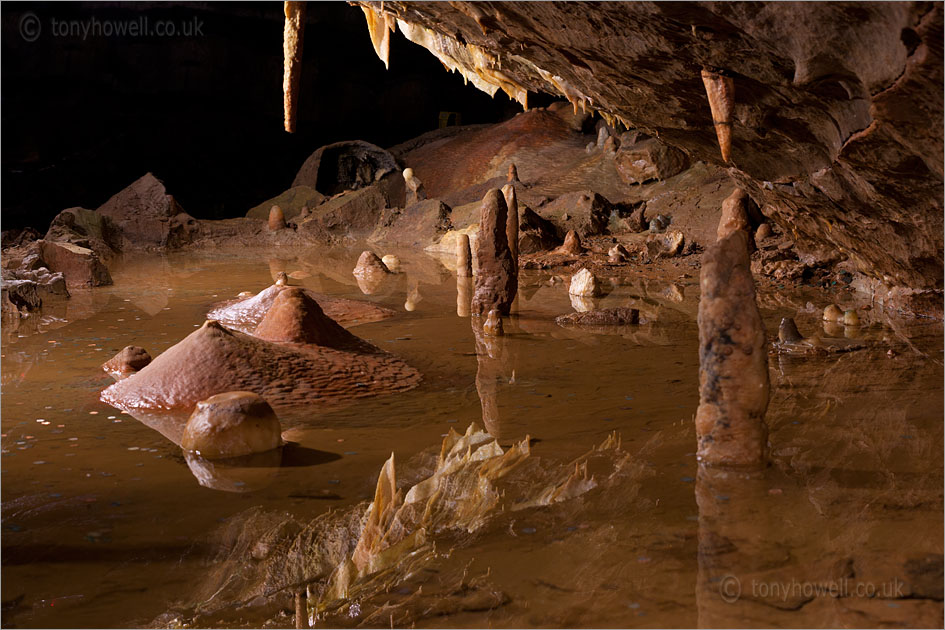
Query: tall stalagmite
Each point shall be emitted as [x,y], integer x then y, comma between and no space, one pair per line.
[733,363]
[497,280]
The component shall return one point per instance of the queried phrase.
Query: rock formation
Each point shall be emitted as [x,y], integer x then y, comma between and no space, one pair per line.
[415,192]
[128,361]
[463,257]
[276,219]
[733,360]
[512,220]
[584,284]
[232,424]
[212,360]
[497,278]
[81,267]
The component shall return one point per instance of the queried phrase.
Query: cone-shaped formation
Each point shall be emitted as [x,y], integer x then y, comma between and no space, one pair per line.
[295,317]
[572,244]
[232,424]
[369,264]
[497,280]
[511,224]
[292,60]
[513,174]
[721,92]
[788,332]
[733,362]
[276,219]
[392,263]
[212,360]
[734,214]
[463,257]
[246,313]
[128,361]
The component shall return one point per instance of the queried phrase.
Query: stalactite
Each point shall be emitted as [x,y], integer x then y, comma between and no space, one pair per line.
[292,60]
[721,92]
[380,26]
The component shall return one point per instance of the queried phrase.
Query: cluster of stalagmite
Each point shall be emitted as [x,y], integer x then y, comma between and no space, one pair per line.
[733,362]
[497,280]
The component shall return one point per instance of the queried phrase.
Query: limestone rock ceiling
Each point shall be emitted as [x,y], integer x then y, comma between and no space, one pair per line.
[837,129]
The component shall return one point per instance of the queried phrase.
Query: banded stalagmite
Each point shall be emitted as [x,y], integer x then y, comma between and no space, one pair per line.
[497,280]
[733,362]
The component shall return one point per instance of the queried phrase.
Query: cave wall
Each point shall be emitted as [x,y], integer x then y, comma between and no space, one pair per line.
[838,119]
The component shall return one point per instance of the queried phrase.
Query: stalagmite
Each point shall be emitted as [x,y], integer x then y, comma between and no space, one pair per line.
[511,224]
[733,362]
[497,280]
[463,257]
[721,92]
[734,214]
[415,192]
[276,219]
[833,313]
[513,174]
[572,244]
[292,60]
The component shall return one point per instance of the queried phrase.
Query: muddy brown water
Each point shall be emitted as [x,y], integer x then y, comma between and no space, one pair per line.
[105,525]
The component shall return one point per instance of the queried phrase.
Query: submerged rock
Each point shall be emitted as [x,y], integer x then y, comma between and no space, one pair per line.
[212,360]
[368,264]
[128,361]
[497,279]
[493,324]
[620,316]
[584,284]
[232,424]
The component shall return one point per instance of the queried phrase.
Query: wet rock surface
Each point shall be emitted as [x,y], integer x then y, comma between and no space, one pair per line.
[81,267]
[128,361]
[143,212]
[342,166]
[497,276]
[232,424]
[619,316]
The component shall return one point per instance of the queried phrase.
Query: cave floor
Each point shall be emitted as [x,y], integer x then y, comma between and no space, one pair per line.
[104,524]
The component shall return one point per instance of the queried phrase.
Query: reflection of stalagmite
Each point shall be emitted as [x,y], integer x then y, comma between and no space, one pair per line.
[494,367]
[721,92]
[463,295]
[511,225]
[415,191]
[413,298]
[292,60]
[733,362]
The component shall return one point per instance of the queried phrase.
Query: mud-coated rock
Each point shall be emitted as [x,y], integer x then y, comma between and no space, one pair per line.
[536,234]
[648,160]
[19,297]
[292,202]
[295,317]
[81,267]
[620,316]
[347,165]
[128,361]
[733,362]
[87,228]
[232,424]
[497,279]
[585,212]
[665,245]
[142,211]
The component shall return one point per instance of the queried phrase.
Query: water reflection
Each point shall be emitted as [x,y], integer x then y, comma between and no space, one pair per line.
[496,368]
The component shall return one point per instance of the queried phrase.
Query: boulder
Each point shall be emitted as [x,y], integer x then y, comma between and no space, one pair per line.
[584,284]
[48,283]
[291,201]
[535,233]
[348,165]
[232,424]
[142,212]
[86,228]
[18,237]
[81,267]
[649,159]
[665,245]
[417,225]
[620,316]
[19,297]
[356,214]
[585,212]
